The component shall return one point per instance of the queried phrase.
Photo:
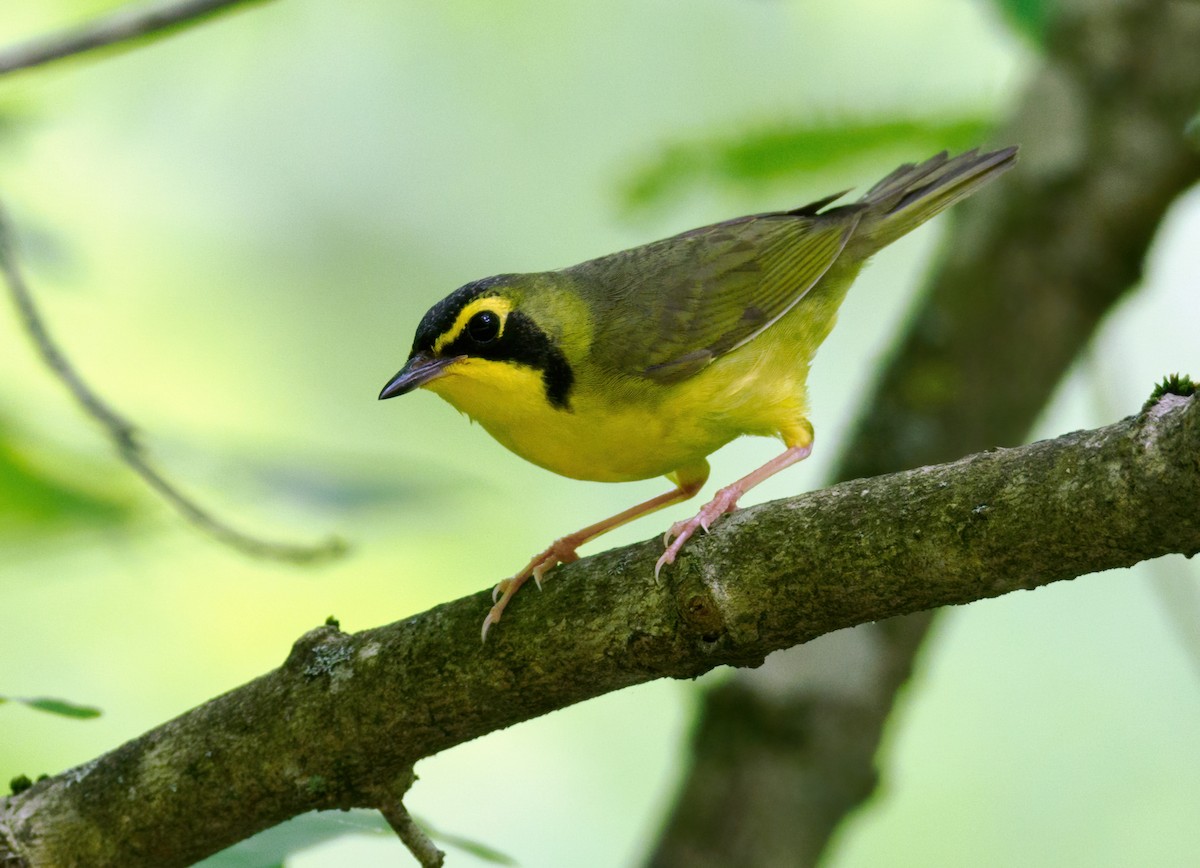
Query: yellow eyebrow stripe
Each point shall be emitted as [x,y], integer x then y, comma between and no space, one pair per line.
[493,303]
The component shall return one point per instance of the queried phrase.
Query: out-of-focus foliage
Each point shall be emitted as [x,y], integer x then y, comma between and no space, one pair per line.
[272,847]
[55,706]
[33,502]
[1028,17]
[772,155]
[477,849]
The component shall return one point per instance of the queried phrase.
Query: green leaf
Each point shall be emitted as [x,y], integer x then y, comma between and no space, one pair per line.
[55,706]
[33,501]
[769,154]
[272,847]
[475,848]
[1030,18]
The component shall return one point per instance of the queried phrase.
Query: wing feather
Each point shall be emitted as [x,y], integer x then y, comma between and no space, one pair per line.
[668,309]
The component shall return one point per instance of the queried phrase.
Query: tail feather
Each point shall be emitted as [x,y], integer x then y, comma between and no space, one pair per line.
[914,193]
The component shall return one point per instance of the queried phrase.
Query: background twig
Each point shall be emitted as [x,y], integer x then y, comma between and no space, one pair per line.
[124,25]
[412,835]
[124,435]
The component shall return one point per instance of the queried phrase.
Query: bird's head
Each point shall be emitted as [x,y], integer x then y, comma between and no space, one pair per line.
[490,340]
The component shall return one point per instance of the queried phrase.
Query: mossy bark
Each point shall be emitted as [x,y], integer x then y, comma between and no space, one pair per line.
[341,723]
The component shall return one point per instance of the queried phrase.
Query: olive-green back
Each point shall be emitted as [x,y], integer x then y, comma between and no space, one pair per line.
[666,310]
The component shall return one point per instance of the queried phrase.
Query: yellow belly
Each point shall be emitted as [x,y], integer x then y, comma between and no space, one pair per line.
[618,431]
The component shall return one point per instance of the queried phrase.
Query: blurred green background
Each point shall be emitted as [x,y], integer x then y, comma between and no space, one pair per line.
[233,233]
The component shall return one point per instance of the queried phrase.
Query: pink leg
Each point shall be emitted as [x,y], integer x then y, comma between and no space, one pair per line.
[562,551]
[724,502]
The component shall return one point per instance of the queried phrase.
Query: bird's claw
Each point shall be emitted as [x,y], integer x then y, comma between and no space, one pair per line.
[561,551]
[491,619]
[541,570]
[681,531]
[667,557]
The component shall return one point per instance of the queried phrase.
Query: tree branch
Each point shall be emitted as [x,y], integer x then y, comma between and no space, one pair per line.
[124,25]
[346,716]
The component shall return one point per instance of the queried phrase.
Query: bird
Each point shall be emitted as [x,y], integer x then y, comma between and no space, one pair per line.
[642,363]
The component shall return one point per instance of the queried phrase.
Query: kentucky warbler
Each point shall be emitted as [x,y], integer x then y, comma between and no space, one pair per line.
[644,362]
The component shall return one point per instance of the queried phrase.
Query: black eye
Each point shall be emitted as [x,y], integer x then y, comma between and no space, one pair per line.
[484,327]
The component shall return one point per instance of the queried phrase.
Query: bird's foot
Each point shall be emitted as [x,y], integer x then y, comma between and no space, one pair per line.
[561,551]
[681,531]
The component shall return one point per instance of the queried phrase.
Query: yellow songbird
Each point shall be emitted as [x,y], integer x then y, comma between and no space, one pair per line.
[644,362]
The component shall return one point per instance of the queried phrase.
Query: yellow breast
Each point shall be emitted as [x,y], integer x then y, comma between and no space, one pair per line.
[617,430]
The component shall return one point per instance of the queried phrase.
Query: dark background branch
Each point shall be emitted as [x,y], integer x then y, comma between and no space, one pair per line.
[1033,266]
[346,716]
